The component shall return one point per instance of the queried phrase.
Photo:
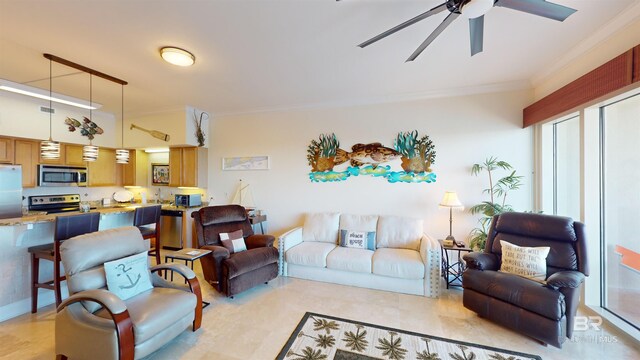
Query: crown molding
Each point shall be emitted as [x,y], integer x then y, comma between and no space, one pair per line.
[433,94]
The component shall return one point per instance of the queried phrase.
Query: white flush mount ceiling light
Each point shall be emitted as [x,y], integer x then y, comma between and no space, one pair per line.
[44,94]
[177,56]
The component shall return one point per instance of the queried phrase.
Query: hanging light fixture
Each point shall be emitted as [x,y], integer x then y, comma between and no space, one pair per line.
[122,154]
[50,149]
[90,152]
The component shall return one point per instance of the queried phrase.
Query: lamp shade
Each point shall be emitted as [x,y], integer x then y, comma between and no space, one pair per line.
[89,153]
[451,200]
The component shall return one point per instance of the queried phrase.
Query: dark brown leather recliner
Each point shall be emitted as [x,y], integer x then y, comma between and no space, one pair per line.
[234,273]
[543,312]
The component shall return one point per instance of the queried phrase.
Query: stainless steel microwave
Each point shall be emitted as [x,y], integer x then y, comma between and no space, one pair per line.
[55,175]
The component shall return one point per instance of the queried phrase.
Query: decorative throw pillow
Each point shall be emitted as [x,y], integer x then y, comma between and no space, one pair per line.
[358,239]
[528,262]
[233,241]
[128,277]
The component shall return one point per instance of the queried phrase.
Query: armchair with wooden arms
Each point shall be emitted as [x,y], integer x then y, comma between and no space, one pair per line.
[233,273]
[94,323]
[544,311]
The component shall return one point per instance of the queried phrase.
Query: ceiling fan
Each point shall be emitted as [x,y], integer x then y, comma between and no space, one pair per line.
[474,10]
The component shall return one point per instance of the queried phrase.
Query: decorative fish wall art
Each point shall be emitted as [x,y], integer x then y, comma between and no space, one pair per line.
[87,127]
[416,154]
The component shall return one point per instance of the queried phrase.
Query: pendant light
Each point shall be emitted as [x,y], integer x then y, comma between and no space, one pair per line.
[50,149]
[122,154]
[90,152]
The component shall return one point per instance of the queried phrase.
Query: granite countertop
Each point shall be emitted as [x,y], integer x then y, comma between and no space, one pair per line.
[35,217]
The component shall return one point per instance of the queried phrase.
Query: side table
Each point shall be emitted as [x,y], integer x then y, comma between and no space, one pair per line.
[258,219]
[452,269]
[188,255]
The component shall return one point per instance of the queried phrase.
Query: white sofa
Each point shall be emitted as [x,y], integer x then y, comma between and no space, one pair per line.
[405,259]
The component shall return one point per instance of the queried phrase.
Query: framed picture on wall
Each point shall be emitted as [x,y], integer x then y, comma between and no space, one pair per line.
[246,163]
[160,174]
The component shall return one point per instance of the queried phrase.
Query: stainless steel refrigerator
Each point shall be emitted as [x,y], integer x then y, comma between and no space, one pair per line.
[10,191]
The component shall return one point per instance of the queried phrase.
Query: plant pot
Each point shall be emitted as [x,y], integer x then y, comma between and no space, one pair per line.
[414,164]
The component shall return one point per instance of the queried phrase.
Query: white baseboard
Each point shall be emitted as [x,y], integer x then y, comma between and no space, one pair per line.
[21,307]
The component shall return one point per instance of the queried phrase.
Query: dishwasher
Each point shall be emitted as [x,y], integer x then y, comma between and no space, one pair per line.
[171,229]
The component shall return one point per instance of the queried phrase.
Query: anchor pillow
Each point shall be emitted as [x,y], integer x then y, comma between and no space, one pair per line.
[129,276]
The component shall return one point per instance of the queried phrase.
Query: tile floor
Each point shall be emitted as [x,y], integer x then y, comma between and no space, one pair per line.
[257,323]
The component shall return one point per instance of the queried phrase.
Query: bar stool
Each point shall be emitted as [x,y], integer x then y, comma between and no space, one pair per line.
[147,220]
[66,227]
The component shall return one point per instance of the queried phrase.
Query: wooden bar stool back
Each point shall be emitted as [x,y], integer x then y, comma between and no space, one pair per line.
[65,228]
[147,220]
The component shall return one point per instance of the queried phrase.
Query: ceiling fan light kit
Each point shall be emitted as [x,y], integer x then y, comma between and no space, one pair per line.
[177,56]
[474,10]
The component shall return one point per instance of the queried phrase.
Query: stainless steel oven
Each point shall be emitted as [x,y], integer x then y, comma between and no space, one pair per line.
[55,175]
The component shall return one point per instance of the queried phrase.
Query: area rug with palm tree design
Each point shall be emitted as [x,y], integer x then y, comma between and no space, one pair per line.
[322,337]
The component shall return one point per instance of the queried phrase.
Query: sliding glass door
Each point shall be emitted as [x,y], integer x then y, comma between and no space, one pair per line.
[566,168]
[620,208]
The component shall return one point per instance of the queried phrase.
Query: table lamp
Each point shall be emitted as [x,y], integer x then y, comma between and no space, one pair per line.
[451,201]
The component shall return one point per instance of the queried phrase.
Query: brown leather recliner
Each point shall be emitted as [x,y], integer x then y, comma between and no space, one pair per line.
[234,273]
[543,312]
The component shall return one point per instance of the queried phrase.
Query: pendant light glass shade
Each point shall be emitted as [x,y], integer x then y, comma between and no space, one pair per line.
[89,153]
[50,149]
[122,156]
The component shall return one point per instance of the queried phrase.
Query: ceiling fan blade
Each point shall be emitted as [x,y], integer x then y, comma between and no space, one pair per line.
[476,34]
[443,25]
[538,7]
[409,22]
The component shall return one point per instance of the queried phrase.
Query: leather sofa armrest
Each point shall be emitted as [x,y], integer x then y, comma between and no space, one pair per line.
[566,279]
[119,314]
[107,299]
[181,269]
[481,261]
[257,241]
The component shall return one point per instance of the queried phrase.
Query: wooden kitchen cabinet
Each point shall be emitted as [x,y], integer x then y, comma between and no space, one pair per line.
[136,172]
[188,167]
[104,172]
[6,150]
[175,167]
[73,155]
[27,153]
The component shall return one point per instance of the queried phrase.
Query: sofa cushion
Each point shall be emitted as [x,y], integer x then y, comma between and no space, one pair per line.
[347,259]
[321,227]
[399,232]
[249,260]
[310,253]
[398,263]
[359,222]
[518,291]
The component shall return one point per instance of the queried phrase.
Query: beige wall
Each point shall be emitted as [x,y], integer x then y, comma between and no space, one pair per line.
[621,41]
[465,130]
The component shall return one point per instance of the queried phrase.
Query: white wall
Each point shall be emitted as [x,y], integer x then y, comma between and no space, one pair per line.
[465,130]
[20,116]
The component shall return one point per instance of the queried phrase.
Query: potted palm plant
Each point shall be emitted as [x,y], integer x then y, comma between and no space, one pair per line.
[498,190]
